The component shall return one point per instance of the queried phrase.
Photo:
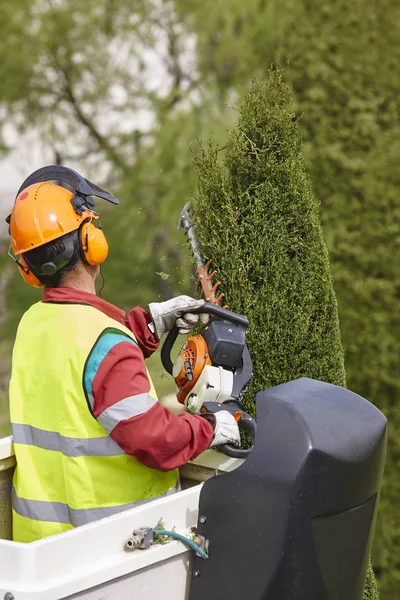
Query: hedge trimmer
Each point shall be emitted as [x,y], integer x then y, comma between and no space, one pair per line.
[213,369]
[206,275]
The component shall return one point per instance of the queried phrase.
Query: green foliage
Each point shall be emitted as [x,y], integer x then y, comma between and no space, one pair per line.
[161,539]
[256,216]
[345,74]
[17,48]
[143,230]
[235,39]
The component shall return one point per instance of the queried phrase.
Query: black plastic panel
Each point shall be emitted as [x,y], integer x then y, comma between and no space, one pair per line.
[295,521]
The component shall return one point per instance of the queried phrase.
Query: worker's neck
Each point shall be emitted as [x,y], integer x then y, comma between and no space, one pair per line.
[81,279]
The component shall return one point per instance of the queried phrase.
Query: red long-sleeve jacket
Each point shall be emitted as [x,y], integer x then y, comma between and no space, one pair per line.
[157,438]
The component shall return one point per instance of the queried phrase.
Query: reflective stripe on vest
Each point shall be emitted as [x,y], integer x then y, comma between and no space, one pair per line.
[69,471]
[69,446]
[58,512]
[125,409]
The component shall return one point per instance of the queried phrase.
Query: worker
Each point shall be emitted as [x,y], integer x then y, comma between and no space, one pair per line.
[90,437]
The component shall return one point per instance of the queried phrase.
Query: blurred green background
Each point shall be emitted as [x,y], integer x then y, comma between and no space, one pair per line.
[122,91]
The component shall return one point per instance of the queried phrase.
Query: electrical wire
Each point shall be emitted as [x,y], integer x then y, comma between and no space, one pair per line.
[103,282]
[184,540]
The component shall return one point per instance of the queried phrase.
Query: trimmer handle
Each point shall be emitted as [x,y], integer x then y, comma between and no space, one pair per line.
[166,350]
[211,309]
[246,423]
[223,313]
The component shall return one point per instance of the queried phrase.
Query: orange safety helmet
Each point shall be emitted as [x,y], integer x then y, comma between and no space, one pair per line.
[45,211]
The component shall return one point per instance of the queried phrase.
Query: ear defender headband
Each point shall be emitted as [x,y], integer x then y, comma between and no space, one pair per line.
[94,247]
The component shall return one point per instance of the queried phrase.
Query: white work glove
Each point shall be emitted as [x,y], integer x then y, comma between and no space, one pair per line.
[165,315]
[226,430]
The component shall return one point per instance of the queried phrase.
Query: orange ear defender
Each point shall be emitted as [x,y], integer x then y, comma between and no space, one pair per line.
[94,244]
[25,271]
[27,274]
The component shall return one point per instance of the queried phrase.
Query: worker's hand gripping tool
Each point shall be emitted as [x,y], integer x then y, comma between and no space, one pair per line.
[213,369]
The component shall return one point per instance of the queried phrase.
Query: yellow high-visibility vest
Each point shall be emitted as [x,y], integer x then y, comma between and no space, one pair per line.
[69,470]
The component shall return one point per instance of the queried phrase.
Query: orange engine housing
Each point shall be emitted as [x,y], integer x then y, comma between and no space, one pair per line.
[189,365]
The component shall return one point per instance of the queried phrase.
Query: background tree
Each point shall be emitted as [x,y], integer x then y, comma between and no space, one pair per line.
[351,100]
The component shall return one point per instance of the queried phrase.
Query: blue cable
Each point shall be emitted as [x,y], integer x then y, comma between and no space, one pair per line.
[184,540]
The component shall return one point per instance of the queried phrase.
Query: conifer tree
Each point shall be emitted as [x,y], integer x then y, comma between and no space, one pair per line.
[256,217]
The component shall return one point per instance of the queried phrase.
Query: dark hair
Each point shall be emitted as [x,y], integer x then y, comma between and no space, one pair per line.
[48,252]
